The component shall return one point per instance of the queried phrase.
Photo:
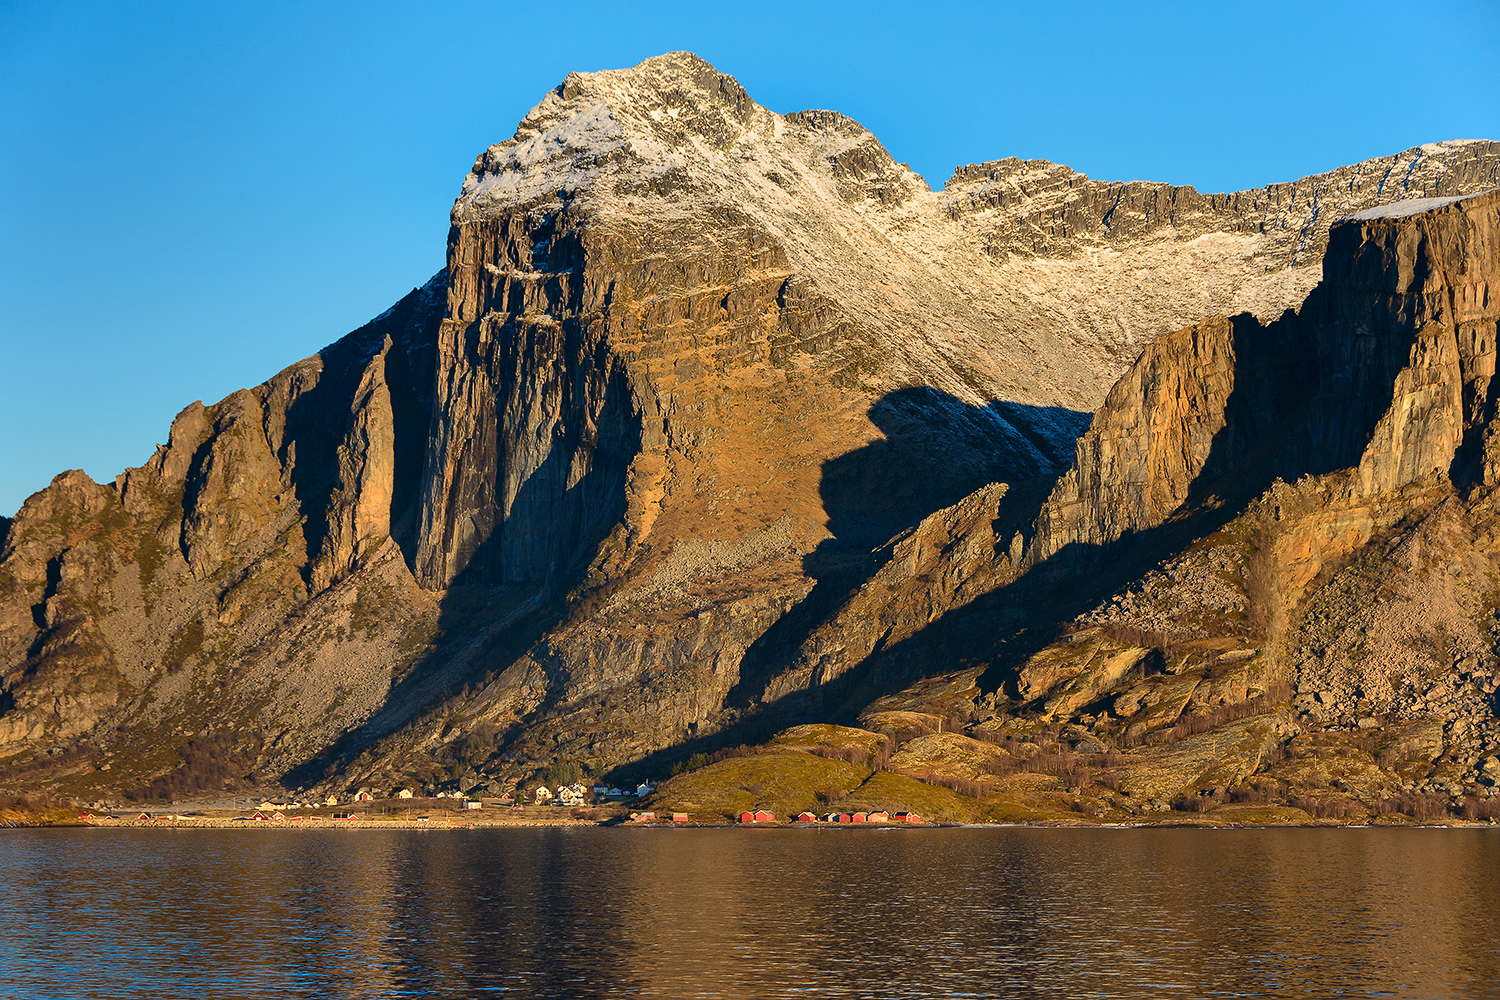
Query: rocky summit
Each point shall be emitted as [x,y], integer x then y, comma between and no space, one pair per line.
[724,446]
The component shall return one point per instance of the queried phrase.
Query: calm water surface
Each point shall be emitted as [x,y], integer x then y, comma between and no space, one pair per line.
[755,913]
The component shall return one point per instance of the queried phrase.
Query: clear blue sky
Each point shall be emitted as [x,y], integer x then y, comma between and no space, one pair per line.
[192,198]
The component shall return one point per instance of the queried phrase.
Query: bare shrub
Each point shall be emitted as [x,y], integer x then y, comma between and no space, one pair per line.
[209,763]
[1199,803]
[1477,809]
[1419,806]
[1207,721]
[1326,808]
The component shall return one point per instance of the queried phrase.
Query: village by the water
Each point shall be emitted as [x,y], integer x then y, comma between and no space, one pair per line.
[573,804]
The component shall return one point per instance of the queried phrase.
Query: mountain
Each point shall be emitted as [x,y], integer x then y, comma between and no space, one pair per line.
[719,421]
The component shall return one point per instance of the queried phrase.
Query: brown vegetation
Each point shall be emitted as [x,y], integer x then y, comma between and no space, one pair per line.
[209,763]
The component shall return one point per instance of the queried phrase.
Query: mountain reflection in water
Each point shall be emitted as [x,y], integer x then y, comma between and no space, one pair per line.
[707,913]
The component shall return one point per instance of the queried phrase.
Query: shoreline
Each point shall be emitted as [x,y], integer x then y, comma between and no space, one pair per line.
[176,822]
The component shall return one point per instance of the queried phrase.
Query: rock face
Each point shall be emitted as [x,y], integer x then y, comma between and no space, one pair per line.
[719,418]
[173,599]
[1350,597]
[1386,369]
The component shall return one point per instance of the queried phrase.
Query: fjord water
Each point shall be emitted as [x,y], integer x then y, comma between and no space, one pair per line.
[555,912]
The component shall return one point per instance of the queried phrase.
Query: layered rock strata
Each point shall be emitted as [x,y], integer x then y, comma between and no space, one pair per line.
[1320,493]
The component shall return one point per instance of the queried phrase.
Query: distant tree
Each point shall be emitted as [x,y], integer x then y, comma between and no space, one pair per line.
[564,772]
[693,763]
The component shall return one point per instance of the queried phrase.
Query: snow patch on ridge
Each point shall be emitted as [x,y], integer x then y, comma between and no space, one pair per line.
[1006,284]
[1404,209]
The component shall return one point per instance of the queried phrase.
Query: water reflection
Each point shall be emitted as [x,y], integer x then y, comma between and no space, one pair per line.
[711,913]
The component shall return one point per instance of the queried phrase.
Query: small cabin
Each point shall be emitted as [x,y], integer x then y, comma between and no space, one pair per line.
[679,817]
[259,816]
[806,817]
[364,797]
[473,804]
[859,817]
[762,816]
[878,817]
[908,817]
[844,818]
[403,793]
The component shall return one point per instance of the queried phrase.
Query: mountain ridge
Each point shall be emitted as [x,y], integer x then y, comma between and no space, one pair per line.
[664,432]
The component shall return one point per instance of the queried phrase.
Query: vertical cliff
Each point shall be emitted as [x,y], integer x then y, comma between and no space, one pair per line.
[168,597]
[1386,368]
[1292,522]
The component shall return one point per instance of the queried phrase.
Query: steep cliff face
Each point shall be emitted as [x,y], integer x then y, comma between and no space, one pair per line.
[649,253]
[172,600]
[1359,598]
[1383,378]
[1387,369]
[718,417]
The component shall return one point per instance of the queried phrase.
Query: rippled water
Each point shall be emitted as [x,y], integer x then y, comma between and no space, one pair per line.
[756,913]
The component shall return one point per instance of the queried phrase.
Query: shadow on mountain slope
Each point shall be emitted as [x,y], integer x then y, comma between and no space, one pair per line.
[1283,420]
[319,419]
[1286,416]
[511,593]
[935,450]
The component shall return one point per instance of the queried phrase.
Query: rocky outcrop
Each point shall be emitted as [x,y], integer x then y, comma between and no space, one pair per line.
[167,598]
[1387,369]
[1042,208]
[1357,588]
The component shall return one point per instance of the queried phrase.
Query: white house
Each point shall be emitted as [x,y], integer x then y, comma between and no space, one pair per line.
[543,794]
[403,793]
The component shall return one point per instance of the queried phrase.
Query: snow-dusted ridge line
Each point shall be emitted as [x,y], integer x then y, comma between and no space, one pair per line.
[1020,280]
[1408,208]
